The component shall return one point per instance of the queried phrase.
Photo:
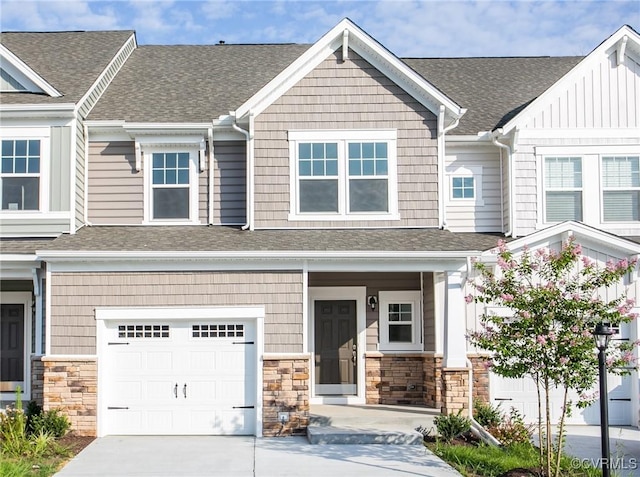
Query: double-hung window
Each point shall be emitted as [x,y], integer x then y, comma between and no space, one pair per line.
[171,184]
[400,320]
[563,188]
[21,173]
[620,188]
[343,175]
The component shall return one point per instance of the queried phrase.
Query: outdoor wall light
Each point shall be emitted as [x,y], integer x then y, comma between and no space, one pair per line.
[602,334]
[372,300]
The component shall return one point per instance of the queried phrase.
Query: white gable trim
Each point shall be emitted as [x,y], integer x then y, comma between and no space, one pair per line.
[23,74]
[614,43]
[603,240]
[369,49]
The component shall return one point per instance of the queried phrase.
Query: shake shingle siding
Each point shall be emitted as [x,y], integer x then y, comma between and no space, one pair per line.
[229,179]
[347,95]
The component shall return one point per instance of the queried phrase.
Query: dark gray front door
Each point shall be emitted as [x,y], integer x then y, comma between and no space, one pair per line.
[335,347]
[11,346]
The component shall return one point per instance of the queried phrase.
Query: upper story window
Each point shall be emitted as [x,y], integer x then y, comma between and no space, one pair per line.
[620,189]
[563,188]
[24,169]
[343,175]
[462,188]
[465,185]
[171,184]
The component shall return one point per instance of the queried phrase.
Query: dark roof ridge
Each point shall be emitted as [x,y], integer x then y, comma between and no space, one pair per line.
[523,57]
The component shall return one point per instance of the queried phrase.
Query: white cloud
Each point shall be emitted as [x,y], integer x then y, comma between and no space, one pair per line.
[58,15]
[214,10]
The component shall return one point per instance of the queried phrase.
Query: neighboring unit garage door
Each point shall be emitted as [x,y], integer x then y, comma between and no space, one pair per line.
[521,394]
[179,377]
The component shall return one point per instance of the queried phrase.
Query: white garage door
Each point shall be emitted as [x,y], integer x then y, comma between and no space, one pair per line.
[179,377]
[521,394]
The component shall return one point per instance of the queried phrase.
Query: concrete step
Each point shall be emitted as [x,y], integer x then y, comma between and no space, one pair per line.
[353,435]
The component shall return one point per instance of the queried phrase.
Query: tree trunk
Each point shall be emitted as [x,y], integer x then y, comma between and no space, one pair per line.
[540,433]
[548,448]
[561,431]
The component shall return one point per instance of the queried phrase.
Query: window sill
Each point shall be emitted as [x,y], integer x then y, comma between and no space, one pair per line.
[342,217]
[465,203]
[171,222]
[409,347]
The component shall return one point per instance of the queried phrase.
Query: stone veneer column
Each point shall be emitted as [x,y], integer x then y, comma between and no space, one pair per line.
[285,388]
[37,379]
[480,379]
[455,390]
[433,381]
[69,384]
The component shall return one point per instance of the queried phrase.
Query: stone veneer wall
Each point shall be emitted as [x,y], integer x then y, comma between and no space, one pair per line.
[394,379]
[70,384]
[432,366]
[37,379]
[285,389]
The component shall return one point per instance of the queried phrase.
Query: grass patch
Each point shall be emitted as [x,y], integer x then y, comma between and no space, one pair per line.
[488,461]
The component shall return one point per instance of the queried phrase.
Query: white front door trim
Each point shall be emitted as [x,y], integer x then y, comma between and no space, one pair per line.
[21,298]
[105,314]
[359,294]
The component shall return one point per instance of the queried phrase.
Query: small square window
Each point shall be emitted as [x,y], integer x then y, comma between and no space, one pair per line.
[462,188]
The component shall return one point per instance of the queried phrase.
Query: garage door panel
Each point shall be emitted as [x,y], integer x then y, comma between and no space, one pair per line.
[215,379]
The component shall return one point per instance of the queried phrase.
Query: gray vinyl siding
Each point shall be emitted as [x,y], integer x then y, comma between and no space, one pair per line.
[462,216]
[429,312]
[44,227]
[347,95]
[83,110]
[74,297]
[229,183]
[59,170]
[116,190]
[375,282]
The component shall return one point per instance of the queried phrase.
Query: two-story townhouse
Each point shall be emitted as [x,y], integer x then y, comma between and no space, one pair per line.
[49,82]
[267,227]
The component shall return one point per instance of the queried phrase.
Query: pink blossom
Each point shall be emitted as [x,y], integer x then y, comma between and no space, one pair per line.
[628,357]
[502,245]
[507,297]
[468,298]
[480,288]
[630,301]
[525,314]
[541,340]
[563,360]
[577,250]
[586,261]
[622,264]
[610,266]
[487,364]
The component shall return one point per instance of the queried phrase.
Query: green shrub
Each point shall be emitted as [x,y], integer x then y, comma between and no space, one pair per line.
[13,428]
[33,409]
[452,426]
[513,430]
[50,422]
[487,415]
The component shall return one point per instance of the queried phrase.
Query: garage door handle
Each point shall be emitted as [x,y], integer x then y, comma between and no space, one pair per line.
[184,390]
[175,390]
[620,399]
[504,399]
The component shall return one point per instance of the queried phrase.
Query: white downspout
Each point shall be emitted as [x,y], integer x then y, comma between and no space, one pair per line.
[86,174]
[211,178]
[510,174]
[250,173]
[442,211]
[476,428]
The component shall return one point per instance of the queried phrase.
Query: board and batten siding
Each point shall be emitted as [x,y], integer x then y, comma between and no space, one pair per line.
[468,216]
[605,96]
[116,190]
[229,183]
[84,108]
[74,297]
[348,94]
[429,312]
[375,282]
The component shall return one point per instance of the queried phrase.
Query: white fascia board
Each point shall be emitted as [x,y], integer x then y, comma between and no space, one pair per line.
[482,139]
[370,50]
[582,133]
[36,111]
[179,313]
[18,260]
[575,73]
[131,39]
[577,230]
[138,129]
[41,85]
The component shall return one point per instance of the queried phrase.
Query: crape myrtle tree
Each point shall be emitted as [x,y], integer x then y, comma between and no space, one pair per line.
[555,299]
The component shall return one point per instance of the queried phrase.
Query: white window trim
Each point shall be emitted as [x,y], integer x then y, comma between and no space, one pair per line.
[602,189]
[43,134]
[544,188]
[474,172]
[193,150]
[387,297]
[342,137]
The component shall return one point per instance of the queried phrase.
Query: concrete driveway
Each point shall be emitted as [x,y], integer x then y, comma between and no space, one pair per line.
[193,456]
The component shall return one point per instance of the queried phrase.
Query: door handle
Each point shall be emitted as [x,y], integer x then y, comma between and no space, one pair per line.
[175,390]
[354,355]
[184,390]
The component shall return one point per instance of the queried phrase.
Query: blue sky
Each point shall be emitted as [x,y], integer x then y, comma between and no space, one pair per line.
[407,27]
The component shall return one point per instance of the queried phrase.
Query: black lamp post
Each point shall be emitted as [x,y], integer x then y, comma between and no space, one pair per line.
[602,335]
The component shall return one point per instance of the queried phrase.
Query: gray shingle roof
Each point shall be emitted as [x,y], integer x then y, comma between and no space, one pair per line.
[493,90]
[227,239]
[195,83]
[22,246]
[69,61]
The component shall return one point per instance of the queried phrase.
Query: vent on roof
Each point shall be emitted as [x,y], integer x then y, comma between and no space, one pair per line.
[221,42]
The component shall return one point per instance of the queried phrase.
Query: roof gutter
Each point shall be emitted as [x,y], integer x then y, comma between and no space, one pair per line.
[442,212]
[250,166]
[510,174]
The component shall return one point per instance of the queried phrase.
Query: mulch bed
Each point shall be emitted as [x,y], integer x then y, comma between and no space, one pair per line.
[75,443]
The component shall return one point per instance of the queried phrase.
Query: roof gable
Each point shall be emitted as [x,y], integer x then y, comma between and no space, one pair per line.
[22,77]
[348,36]
[617,59]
